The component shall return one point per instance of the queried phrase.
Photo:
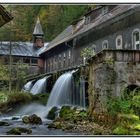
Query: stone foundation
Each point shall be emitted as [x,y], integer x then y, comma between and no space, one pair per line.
[112,71]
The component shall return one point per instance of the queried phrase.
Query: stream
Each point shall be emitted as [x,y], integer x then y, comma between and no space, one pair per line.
[37,130]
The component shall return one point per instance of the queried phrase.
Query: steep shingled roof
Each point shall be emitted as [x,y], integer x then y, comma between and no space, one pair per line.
[4,16]
[67,34]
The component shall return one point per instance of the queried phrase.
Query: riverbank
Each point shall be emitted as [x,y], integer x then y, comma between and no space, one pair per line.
[77,120]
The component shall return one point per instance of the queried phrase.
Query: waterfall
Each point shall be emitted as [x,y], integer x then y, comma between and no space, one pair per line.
[27,87]
[39,86]
[62,91]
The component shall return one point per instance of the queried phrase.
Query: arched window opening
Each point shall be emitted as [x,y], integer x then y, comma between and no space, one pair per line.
[105,44]
[136,39]
[119,42]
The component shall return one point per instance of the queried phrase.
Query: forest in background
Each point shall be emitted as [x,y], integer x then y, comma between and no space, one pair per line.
[54,19]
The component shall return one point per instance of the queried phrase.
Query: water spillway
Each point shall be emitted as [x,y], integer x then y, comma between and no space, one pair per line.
[62,91]
[27,87]
[39,86]
[65,92]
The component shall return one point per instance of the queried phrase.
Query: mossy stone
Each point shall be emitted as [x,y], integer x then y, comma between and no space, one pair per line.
[66,112]
[19,131]
[32,119]
[25,120]
[52,112]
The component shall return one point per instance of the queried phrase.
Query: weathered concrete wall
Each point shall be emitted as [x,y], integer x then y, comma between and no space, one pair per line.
[110,73]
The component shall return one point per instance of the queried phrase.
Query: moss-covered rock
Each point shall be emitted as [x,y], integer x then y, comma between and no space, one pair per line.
[19,131]
[26,120]
[56,125]
[2,123]
[66,112]
[52,113]
[33,119]
[120,130]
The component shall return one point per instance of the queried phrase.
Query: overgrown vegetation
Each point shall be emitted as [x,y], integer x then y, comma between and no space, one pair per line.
[8,101]
[125,111]
[87,52]
[14,99]
[17,76]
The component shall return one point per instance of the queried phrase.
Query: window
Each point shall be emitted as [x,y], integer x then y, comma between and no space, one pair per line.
[136,39]
[104,10]
[87,20]
[93,47]
[119,42]
[105,44]
[26,60]
[34,60]
[69,55]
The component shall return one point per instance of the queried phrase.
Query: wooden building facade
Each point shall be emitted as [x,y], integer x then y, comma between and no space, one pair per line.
[106,27]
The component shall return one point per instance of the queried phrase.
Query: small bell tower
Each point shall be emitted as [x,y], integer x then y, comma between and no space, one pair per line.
[38,35]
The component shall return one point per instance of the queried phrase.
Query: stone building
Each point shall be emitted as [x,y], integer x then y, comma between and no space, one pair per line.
[112,32]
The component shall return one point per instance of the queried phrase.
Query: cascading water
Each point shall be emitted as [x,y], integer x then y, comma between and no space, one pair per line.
[27,87]
[39,86]
[64,93]
[61,92]
[32,108]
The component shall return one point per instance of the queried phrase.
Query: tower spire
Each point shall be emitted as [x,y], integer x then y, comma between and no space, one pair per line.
[38,35]
[38,29]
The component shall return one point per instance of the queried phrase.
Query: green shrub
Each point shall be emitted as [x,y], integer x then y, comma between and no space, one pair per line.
[18,98]
[136,127]
[83,114]
[3,98]
[41,98]
[136,104]
[128,118]
[136,101]
[120,130]
[117,105]
[10,100]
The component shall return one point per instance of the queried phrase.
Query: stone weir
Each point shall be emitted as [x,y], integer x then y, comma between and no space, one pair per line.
[110,72]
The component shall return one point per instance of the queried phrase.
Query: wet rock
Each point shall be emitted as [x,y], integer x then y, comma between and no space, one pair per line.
[52,113]
[2,123]
[15,118]
[33,119]
[55,125]
[19,131]
[26,120]
[51,125]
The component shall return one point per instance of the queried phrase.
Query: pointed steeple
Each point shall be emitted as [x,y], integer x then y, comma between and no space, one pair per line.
[38,29]
[38,35]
